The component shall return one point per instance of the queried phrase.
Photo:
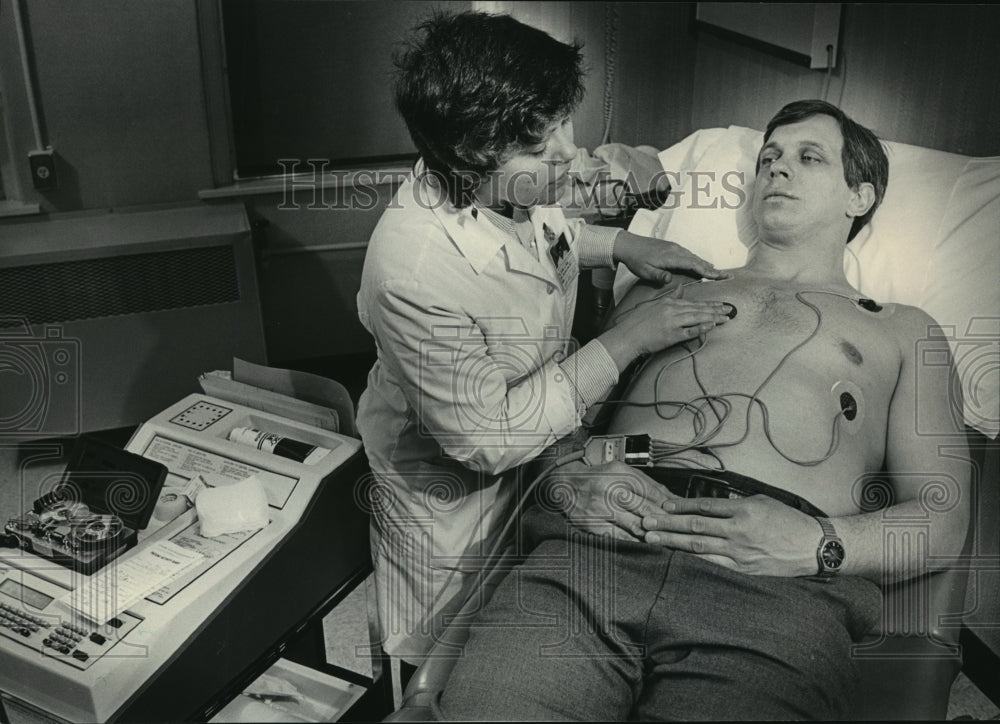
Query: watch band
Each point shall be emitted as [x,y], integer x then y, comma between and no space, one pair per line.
[828,530]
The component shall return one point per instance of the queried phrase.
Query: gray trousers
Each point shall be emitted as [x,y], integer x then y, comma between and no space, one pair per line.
[590,628]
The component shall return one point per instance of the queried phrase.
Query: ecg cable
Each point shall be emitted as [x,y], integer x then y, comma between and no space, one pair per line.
[704,432]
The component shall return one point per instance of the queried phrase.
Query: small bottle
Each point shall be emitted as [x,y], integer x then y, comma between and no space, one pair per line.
[286,447]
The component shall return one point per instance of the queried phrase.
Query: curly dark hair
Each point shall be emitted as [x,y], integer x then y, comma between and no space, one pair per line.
[863,156]
[474,87]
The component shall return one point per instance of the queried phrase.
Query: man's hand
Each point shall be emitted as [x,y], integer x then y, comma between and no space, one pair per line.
[602,499]
[656,259]
[755,535]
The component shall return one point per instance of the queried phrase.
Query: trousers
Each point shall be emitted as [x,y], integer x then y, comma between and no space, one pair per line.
[596,629]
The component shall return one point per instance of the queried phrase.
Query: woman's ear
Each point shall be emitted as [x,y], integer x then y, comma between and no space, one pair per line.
[862,199]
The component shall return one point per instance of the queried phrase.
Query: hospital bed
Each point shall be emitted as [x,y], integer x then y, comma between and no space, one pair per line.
[933,243]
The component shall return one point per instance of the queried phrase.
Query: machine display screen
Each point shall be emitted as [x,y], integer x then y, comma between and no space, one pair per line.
[24,594]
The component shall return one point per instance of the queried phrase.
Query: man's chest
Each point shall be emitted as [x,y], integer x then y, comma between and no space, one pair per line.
[815,332]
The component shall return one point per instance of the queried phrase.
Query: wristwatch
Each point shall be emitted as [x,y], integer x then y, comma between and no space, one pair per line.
[830,554]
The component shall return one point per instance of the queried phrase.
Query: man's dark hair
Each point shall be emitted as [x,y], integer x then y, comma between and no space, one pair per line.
[472,87]
[863,156]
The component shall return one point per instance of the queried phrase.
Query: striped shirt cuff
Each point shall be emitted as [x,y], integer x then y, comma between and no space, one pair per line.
[592,372]
[596,246]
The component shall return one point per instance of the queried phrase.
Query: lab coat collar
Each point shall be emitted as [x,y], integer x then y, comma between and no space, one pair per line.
[478,239]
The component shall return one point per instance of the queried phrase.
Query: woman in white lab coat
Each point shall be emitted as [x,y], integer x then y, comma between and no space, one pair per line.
[468,288]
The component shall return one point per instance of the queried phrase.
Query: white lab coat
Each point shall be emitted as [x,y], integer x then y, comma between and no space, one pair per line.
[475,376]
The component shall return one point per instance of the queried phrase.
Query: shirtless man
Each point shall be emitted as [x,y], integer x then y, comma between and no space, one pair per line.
[740,606]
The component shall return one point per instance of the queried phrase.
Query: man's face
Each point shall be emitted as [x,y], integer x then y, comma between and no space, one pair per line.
[800,183]
[534,175]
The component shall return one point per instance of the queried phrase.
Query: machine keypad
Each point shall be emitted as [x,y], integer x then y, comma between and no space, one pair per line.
[70,641]
[19,621]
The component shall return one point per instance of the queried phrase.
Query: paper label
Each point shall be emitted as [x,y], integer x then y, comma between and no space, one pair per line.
[125,582]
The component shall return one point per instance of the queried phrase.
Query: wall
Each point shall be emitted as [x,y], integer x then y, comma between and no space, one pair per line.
[926,74]
[919,74]
[120,97]
[654,73]
[310,270]
[568,22]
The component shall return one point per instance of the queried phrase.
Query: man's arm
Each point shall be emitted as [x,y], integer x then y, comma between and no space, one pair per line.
[929,474]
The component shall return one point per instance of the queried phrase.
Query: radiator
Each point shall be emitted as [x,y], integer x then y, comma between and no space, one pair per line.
[105,319]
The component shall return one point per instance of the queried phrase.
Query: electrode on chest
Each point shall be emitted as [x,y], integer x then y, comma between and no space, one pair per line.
[849,400]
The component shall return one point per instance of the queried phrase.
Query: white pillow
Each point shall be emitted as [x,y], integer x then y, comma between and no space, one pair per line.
[933,242]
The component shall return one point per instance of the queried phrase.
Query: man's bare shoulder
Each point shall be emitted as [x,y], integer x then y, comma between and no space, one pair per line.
[911,327]
[910,322]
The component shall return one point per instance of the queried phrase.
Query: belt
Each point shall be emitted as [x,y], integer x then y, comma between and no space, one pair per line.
[691,483]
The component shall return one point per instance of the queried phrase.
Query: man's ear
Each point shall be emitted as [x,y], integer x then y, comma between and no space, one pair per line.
[862,199]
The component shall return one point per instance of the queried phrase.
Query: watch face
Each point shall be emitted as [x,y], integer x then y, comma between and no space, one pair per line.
[833,555]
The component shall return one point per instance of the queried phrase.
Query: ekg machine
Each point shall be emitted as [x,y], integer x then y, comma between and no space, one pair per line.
[181,651]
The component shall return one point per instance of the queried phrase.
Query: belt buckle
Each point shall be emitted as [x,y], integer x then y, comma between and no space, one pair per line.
[716,488]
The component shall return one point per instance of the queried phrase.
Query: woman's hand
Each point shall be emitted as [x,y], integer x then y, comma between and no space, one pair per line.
[606,499]
[658,323]
[656,259]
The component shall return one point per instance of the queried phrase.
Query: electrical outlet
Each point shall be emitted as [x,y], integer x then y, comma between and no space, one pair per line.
[43,169]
